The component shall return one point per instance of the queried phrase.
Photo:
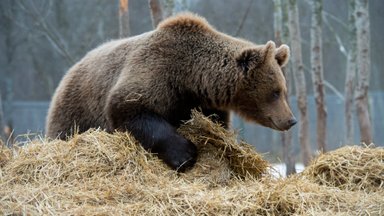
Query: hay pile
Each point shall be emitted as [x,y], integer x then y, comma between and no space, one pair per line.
[100,173]
[242,158]
[349,168]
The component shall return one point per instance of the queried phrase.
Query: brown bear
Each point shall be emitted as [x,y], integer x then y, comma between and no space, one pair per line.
[149,83]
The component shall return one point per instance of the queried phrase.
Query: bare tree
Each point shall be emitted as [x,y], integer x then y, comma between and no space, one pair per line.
[55,38]
[277,21]
[123,18]
[156,12]
[179,6]
[2,125]
[168,8]
[241,25]
[350,73]
[287,136]
[161,9]
[298,68]
[281,36]
[363,69]
[172,7]
[317,73]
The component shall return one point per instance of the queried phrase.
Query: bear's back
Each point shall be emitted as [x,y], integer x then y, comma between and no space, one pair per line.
[80,97]
[163,66]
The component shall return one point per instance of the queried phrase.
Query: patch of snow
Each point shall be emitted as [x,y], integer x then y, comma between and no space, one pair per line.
[278,170]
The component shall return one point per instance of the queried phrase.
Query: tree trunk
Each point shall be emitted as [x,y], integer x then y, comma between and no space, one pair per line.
[299,78]
[123,19]
[168,6]
[363,69]
[277,21]
[162,9]
[2,125]
[156,12]
[350,74]
[179,6]
[317,73]
[281,36]
[287,136]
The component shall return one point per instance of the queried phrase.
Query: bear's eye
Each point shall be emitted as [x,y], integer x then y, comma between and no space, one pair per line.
[275,95]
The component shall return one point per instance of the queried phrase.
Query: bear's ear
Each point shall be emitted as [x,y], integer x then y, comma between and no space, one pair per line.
[247,58]
[269,50]
[255,56]
[282,55]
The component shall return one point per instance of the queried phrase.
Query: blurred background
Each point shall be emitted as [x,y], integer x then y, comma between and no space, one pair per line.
[41,39]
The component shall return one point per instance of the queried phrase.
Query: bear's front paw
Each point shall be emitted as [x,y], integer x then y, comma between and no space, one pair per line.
[177,152]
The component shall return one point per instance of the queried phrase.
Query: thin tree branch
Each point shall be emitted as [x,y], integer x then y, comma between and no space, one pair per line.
[327,84]
[334,90]
[244,18]
[338,20]
[339,41]
[52,36]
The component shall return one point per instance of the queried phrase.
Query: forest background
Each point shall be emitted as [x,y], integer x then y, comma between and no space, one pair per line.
[41,39]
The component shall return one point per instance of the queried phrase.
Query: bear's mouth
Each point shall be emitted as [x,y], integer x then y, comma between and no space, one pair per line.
[274,125]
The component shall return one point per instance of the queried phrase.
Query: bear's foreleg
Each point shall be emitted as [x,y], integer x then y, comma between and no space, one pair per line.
[158,136]
[219,116]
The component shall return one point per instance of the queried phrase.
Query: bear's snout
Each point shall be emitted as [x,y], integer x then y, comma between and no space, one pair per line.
[283,125]
[288,124]
[291,122]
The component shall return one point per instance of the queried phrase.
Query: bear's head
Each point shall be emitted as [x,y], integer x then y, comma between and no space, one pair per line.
[262,92]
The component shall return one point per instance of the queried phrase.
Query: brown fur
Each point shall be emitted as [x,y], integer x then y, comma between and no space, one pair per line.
[183,64]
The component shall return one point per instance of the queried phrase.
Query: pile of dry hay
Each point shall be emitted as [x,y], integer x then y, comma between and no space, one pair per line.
[100,173]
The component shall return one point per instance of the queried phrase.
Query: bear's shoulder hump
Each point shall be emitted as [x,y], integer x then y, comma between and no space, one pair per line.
[185,20]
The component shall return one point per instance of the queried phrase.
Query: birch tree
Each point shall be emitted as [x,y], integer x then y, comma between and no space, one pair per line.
[350,73]
[363,70]
[317,73]
[298,68]
[123,18]
[281,36]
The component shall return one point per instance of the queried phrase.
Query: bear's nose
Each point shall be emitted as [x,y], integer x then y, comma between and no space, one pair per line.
[292,122]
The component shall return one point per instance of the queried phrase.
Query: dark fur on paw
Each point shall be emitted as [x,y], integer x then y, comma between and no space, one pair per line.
[177,152]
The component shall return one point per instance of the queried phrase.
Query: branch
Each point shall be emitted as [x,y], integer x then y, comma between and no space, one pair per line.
[52,36]
[339,41]
[7,14]
[343,24]
[328,84]
[333,88]
[333,17]
[243,19]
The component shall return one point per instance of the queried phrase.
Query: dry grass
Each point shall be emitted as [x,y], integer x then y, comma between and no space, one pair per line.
[5,154]
[241,156]
[100,173]
[351,168]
